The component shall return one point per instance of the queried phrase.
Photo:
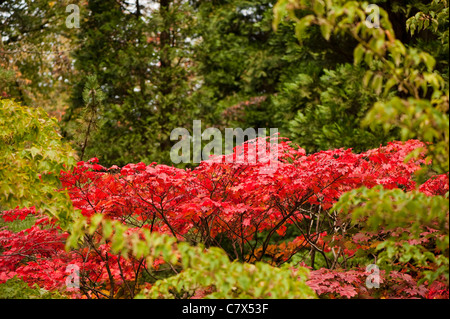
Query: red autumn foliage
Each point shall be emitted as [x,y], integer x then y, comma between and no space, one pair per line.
[234,202]
[352,283]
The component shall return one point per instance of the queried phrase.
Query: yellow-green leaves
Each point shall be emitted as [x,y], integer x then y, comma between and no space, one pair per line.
[417,118]
[391,66]
[124,240]
[210,269]
[436,15]
[411,212]
[32,156]
[358,54]
[202,269]
[394,208]
[279,12]
[301,26]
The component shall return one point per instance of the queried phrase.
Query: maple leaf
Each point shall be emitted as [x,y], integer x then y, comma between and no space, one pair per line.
[347,291]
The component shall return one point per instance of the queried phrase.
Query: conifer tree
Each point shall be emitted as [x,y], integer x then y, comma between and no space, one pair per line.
[140,57]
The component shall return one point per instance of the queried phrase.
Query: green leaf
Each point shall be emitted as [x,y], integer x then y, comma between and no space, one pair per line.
[326,28]
[107,229]
[377,83]
[94,222]
[302,25]
[358,54]
[279,13]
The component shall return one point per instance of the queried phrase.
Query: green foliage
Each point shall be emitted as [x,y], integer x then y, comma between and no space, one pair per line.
[392,208]
[206,271]
[250,72]
[431,21]
[16,288]
[221,62]
[32,156]
[332,110]
[93,98]
[35,49]
[426,120]
[377,208]
[18,225]
[258,77]
[213,271]
[393,70]
[142,69]
[390,64]
[6,77]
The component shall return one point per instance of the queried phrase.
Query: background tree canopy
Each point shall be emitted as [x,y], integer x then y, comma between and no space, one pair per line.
[161,64]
